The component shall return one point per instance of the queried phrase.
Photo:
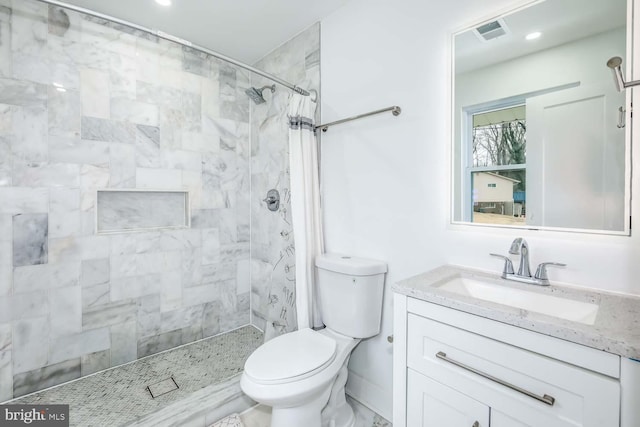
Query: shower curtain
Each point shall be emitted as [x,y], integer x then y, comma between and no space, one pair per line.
[305,207]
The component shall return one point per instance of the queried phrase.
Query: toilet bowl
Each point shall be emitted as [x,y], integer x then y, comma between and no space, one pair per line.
[296,373]
[302,374]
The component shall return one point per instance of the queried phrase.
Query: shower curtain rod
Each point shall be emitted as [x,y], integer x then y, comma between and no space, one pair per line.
[395,110]
[160,34]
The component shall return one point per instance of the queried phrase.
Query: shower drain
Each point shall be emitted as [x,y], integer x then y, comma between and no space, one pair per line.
[162,387]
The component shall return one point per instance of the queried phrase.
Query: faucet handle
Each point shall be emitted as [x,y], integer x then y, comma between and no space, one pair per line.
[541,271]
[508,265]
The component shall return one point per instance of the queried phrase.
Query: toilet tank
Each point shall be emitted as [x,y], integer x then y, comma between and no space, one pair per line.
[350,292]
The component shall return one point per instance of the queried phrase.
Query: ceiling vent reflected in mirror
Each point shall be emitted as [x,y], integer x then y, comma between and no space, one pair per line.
[491,30]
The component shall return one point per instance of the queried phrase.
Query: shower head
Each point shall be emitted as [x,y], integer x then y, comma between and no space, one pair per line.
[256,94]
[615,63]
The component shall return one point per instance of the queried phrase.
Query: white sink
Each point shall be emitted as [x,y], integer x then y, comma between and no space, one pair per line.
[576,311]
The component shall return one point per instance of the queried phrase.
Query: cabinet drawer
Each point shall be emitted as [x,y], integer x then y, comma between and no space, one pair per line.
[499,374]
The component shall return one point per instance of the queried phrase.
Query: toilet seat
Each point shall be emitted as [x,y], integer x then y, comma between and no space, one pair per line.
[290,357]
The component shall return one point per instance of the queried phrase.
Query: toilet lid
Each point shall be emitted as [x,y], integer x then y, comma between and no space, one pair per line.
[289,356]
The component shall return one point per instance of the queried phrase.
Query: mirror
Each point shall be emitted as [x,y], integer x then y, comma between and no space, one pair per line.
[540,135]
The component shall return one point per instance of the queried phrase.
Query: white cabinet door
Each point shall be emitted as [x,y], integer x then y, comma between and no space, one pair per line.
[431,404]
[498,419]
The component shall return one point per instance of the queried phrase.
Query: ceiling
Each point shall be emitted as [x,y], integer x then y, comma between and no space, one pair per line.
[559,21]
[242,30]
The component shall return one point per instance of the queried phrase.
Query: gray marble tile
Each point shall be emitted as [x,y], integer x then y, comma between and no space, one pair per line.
[51,375]
[6,376]
[128,210]
[5,337]
[95,295]
[124,347]
[195,62]
[95,362]
[211,318]
[30,234]
[181,318]
[134,287]
[30,344]
[96,129]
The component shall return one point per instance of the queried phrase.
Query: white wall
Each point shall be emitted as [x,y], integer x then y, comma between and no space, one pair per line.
[386,180]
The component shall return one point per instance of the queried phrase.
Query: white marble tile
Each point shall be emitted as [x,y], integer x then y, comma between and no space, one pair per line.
[198,295]
[75,345]
[147,146]
[210,246]
[5,43]
[134,111]
[46,174]
[122,76]
[64,112]
[65,306]
[109,314]
[30,344]
[30,127]
[92,178]
[179,159]
[22,93]
[67,249]
[75,150]
[171,292]
[29,27]
[96,295]
[45,277]
[96,98]
[17,200]
[64,212]
[6,276]
[5,337]
[95,272]
[124,346]
[123,166]
[165,179]
[95,362]
[107,39]
[5,119]
[135,287]
[30,67]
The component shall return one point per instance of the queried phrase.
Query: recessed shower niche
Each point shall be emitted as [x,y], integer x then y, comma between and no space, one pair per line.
[131,210]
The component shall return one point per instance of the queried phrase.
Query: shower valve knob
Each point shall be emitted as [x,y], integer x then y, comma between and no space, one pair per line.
[272,200]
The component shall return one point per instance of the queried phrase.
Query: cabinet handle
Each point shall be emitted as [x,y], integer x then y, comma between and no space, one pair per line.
[544,399]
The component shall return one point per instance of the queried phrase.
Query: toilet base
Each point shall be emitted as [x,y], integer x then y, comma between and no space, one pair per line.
[307,415]
[338,413]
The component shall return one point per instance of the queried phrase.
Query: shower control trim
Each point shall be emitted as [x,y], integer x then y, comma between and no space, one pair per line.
[272,200]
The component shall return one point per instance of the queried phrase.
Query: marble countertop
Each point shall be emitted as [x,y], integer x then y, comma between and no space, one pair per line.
[616,328]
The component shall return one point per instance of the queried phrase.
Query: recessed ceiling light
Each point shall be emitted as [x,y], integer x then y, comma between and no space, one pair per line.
[533,36]
[164,2]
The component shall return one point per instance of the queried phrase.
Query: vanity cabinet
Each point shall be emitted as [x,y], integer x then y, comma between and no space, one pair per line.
[457,369]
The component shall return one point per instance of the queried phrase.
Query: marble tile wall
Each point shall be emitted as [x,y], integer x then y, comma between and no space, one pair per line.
[84,105]
[272,245]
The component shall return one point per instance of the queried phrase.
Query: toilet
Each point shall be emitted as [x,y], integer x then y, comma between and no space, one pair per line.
[302,374]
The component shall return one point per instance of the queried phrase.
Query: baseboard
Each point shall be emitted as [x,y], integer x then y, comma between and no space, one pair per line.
[370,395]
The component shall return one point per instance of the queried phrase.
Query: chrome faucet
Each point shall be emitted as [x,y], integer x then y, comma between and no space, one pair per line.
[520,246]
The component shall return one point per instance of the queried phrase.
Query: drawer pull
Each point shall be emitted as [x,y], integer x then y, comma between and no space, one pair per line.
[544,399]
